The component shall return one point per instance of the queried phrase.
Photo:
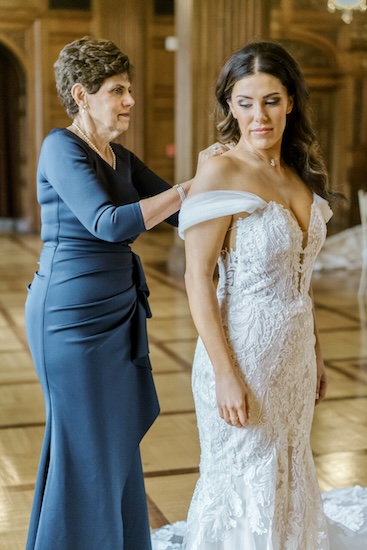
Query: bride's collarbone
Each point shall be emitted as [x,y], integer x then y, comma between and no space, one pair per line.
[265,185]
[284,189]
[290,193]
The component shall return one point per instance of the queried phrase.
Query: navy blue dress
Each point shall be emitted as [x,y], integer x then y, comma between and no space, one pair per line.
[86,326]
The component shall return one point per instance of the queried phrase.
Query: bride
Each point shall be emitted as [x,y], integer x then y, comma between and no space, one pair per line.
[259,211]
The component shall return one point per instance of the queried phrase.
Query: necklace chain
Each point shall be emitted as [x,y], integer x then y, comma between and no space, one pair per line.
[272,161]
[94,147]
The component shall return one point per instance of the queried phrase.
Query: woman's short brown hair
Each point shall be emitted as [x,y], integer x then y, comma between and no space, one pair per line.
[87,61]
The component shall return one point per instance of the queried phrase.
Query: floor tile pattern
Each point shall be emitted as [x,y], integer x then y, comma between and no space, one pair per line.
[170,451]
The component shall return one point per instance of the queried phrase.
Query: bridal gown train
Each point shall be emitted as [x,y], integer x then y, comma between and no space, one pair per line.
[258,488]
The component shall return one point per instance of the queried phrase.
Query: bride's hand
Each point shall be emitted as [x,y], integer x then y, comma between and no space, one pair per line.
[232,399]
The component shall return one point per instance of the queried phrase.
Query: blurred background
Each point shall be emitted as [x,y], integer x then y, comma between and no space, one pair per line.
[177,48]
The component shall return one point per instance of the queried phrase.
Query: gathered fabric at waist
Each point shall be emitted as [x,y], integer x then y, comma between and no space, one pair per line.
[65,261]
[80,288]
[73,258]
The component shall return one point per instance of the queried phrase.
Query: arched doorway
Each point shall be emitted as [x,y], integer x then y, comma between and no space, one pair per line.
[12,142]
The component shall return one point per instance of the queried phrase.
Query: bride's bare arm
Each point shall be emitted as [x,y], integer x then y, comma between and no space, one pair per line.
[203,244]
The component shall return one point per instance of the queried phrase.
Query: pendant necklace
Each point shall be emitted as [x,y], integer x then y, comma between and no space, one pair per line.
[272,161]
[94,147]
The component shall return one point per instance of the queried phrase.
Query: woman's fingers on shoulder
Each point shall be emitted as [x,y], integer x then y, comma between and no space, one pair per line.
[214,150]
[219,148]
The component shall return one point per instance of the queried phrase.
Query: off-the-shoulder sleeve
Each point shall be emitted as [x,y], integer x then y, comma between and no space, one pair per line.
[324,207]
[215,204]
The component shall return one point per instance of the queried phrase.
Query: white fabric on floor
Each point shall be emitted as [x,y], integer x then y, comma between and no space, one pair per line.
[341,251]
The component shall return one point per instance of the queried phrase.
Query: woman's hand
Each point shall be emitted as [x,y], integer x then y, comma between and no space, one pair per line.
[322,381]
[212,151]
[232,398]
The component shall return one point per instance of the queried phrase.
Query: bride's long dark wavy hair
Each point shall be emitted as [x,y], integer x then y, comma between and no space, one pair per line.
[300,148]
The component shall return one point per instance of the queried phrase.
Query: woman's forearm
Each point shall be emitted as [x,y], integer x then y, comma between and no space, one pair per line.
[158,208]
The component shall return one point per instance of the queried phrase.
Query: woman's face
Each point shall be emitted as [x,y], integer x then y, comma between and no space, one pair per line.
[108,110]
[260,103]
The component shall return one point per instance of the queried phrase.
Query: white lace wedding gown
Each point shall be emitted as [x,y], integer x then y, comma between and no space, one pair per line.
[258,488]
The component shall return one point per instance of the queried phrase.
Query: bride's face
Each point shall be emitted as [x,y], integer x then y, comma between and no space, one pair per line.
[260,103]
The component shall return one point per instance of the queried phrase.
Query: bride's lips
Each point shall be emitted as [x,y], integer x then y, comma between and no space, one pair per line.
[261,131]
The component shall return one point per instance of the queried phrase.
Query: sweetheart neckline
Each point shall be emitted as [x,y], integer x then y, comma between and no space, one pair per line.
[293,217]
[305,241]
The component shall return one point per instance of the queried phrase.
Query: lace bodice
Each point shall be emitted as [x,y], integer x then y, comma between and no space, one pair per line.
[273,259]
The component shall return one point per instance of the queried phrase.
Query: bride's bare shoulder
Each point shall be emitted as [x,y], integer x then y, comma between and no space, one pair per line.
[220,173]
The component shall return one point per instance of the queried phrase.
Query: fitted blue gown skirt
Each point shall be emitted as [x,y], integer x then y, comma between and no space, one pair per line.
[86,325]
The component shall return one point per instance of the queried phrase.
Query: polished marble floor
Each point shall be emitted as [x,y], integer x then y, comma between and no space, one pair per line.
[170,450]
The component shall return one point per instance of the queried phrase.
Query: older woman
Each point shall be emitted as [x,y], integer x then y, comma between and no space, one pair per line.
[86,311]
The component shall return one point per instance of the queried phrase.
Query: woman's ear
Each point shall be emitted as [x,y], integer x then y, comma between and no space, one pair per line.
[290,104]
[230,108]
[78,94]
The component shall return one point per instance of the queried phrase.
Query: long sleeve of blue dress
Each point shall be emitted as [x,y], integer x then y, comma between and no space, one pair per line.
[72,177]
